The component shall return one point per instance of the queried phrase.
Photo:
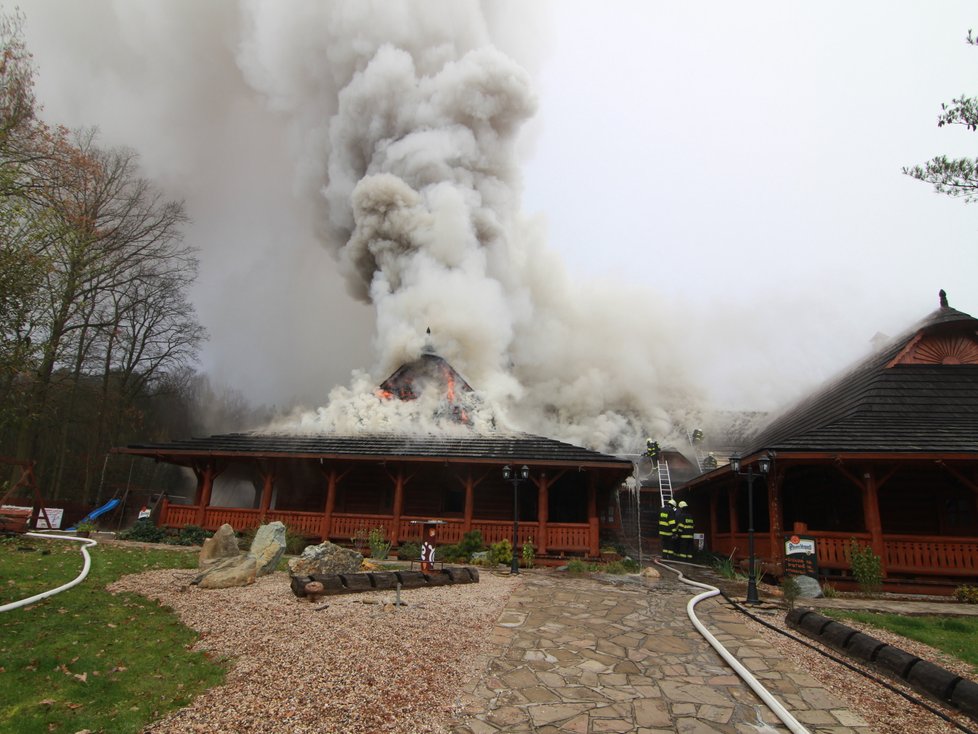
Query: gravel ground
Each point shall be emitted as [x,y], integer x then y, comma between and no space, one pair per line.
[337,665]
[887,712]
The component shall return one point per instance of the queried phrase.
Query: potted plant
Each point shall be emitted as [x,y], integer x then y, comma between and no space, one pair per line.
[609,554]
[84,529]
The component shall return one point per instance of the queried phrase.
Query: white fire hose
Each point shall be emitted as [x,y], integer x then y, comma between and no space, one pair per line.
[86,543]
[772,703]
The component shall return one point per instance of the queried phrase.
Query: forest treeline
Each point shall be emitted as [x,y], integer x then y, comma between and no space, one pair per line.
[99,336]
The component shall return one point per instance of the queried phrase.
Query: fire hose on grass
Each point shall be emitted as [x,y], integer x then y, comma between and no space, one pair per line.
[772,703]
[86,543]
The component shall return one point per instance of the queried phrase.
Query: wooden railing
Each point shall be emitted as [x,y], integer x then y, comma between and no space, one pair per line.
[495,530]
[737,544]
[568,537]
[344,526]
[920,555]
[937,556]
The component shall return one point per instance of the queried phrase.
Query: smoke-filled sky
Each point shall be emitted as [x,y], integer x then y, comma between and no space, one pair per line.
[606,212]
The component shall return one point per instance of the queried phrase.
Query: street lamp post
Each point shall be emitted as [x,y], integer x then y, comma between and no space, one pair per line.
[509,476]
[764,467]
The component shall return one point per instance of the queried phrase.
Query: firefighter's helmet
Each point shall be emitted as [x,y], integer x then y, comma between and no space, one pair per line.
[672,502]
[682,504]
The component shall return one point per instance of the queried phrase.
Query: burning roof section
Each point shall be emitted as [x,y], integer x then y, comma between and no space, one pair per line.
[430,372]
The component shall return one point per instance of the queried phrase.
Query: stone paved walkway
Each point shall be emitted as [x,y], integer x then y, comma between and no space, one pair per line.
[582,655]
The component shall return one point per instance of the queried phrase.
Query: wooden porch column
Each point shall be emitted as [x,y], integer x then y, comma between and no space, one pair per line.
[398,504]
[714,501]
[205,483]
[543,509]
[469,503]
[268,479]
[775,520]
[327,522]
[732,509]
[871,514]
[592,516]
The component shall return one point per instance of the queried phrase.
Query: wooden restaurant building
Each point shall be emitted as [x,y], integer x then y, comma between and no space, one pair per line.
[329,486]
[886,454]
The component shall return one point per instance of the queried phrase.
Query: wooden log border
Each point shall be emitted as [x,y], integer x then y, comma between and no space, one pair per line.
[353,583]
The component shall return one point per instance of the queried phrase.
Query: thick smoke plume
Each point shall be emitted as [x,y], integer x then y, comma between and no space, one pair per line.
[404,123]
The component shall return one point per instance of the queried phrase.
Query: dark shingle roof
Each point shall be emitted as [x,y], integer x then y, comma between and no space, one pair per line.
[875,407]
[521,447]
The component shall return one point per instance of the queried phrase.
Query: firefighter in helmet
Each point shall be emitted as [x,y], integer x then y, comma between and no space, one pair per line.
[667,530]
[652,450]
[697,436]
[710,462]
[684,530]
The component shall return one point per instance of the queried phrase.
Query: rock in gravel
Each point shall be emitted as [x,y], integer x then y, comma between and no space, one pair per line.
[230,572]
[268,547]
[223,544]
[325,558]
[808,588]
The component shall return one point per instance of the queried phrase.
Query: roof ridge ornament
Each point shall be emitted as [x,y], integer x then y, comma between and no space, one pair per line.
[428,347]
[943,296]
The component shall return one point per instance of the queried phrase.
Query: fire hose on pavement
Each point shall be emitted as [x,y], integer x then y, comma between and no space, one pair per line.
[86,544]
[772,703]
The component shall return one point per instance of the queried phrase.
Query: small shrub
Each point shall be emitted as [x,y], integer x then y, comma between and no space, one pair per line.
[144,531]
[360,540]
[966,594]
[576,565]
[725,567]
[409,551]
[380,546]
[295,542]
[501,552]
[790,590]
[189,535]
[471,543]
[529,554]
[246,538]
[828,591]
[451,554]
[867,568]
[630,565]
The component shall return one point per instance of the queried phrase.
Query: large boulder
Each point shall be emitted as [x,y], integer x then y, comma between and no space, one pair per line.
[230,572]
[268,547]
[325,558]
[222,544]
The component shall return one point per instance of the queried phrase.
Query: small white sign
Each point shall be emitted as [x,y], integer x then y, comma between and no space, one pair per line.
[699,539]
[54,514]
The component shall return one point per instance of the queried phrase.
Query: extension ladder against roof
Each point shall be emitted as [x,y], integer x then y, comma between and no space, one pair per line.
[665,482]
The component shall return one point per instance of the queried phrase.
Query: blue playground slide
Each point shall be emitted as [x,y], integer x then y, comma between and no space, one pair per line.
[90,517]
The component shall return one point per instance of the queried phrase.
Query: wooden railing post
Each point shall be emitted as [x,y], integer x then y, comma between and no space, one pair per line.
[469,503]
[398,505]
[326,524]
[871,513]
[205,482]
[543,509]
[268,478]
[592,516]
[774,516]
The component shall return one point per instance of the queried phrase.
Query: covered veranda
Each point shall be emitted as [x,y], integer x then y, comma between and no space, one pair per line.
[334,487]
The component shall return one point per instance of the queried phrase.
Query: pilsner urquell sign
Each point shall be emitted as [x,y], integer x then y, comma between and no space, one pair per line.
[799,556]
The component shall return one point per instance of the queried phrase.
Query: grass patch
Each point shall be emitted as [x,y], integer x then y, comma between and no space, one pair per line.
[87,659]
[957,636]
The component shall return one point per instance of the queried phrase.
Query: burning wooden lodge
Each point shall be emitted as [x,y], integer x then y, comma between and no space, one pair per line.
[329,486]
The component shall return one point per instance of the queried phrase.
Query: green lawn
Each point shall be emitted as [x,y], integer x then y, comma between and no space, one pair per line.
[957,636]
[86,659]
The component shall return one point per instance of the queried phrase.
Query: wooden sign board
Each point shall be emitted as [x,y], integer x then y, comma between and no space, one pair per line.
[800,558]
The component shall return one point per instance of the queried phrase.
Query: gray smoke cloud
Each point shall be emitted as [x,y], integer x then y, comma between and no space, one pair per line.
[392,131]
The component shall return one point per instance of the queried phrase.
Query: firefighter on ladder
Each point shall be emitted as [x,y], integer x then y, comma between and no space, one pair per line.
[652,451]
[684,530]
[667,530]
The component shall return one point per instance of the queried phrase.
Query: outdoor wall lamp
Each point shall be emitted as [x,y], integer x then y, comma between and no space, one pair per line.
[523,475]
[764,468]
